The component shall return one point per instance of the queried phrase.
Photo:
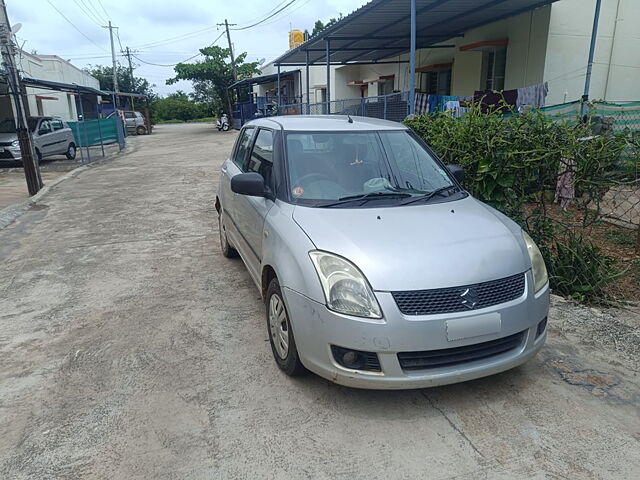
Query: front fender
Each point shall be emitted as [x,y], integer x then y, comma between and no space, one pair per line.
[286,249]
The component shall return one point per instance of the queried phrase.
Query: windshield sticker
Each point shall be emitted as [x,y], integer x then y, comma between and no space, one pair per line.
[297,191]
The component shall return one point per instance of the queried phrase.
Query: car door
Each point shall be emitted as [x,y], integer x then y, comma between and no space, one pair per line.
[250,212]
[233,166]
[130,119]
[58,137]
[44,138]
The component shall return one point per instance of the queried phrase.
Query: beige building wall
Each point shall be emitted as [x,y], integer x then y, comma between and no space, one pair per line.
[616,66]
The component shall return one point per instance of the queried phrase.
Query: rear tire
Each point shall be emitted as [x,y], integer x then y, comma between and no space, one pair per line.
[283,343]
[141,130]
[227,250]
[225,127]
[71,152]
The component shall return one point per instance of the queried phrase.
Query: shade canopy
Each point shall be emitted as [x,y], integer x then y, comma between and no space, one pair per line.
[380,29]
[263,79]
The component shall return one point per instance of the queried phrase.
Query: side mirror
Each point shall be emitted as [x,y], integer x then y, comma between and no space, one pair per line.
[458,173]
[250,183]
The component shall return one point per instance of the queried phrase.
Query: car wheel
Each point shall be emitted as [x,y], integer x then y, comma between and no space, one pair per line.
[71,152]
[283,344]
[38,155]
[141,130]
[227,250]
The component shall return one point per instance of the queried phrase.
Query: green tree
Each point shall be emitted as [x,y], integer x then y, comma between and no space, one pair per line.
[212,76]
[319,26]
[126,83]
[178,106]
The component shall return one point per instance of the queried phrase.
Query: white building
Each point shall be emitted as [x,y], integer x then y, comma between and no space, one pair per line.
[54,69]
[547,44]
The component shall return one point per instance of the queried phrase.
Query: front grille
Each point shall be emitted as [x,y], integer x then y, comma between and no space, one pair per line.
[460,299]
[5,154]
[453,356]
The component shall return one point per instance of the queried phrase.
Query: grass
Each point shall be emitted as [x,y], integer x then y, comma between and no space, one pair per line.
[621,237]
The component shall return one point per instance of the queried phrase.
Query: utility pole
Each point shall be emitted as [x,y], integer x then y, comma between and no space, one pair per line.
[592,49]
[233,62]
[113,60]
[31,167]
[128,54]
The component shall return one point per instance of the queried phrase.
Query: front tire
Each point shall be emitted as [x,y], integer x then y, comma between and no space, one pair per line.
[227,250]
[283,343]
[71,152]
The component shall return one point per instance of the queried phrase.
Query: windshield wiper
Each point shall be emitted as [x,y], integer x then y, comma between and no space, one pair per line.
[430,195]
[365,197]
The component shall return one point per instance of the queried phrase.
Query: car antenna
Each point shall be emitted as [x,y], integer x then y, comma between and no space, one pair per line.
[349,119]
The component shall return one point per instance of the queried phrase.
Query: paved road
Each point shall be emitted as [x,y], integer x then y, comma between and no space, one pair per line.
[130,348]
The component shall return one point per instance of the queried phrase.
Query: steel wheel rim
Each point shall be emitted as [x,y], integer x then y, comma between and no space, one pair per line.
[72,151]
[279,326]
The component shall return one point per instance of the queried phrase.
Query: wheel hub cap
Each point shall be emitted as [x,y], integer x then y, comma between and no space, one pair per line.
[278,326]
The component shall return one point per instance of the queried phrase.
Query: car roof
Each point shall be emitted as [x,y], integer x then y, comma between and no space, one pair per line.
[314,123]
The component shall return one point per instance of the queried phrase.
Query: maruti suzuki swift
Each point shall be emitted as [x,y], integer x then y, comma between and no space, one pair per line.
[377,268]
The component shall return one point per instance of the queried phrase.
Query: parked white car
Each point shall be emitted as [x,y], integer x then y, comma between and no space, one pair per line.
[369,249]
[51,136]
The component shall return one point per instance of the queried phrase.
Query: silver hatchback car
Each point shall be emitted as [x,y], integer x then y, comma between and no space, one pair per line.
[377,268]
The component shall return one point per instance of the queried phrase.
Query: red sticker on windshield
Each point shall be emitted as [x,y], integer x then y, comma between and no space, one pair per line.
[297,191]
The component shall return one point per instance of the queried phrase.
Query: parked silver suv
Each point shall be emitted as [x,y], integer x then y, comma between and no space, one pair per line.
[377,268]
[51,136]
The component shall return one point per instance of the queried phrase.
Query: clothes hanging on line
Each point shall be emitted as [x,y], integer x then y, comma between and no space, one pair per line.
[420,104]
[494,101]
[533,95]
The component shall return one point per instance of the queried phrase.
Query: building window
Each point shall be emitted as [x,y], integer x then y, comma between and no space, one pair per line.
[495,63]
[436,82]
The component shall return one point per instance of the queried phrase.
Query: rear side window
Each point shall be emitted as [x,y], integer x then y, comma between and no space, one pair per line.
[57,124]
[129,115]
[261,159]
[242,147]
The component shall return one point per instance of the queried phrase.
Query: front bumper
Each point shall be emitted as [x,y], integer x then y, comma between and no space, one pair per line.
[10,154]
[316,328]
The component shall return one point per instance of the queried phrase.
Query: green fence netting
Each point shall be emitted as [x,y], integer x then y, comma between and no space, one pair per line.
[90,132]
[625,115]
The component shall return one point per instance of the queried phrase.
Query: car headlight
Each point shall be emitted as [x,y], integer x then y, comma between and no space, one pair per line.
[345,287]
[15,143]
[539,269]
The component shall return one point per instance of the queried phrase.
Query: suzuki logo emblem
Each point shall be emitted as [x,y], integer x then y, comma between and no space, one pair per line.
[469,298]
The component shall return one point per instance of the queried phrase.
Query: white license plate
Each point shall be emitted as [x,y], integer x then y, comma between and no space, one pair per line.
[475,326]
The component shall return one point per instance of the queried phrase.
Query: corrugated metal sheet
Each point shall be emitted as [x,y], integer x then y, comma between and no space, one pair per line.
[380,29]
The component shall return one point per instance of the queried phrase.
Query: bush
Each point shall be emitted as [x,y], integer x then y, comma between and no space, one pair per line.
[580,270]
[513,163]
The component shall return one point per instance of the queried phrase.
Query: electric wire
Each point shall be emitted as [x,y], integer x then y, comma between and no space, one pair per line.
[183,61]
[74,26]
[88,14]
[291,2]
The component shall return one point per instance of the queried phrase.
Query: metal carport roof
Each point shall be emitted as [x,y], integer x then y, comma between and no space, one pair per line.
[62,87]
[381,28]
[263,78]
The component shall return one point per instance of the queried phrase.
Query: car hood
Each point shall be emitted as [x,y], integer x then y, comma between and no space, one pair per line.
[8,137]
[420,246]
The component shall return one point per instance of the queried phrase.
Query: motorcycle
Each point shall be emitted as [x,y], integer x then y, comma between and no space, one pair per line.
[223,122]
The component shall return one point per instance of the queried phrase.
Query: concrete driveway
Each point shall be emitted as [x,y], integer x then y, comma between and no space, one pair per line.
[130,348]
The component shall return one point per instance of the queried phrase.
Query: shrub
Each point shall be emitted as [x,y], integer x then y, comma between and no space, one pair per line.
[513,162]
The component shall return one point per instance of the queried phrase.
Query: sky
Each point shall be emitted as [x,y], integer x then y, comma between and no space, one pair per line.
[163,32]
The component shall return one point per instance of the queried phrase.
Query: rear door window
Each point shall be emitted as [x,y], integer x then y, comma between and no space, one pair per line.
[57,124]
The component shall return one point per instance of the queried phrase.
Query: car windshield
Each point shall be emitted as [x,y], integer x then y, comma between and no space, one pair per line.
[348,166]
[7,126]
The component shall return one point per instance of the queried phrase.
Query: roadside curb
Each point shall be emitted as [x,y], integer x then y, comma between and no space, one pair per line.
[10,214]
